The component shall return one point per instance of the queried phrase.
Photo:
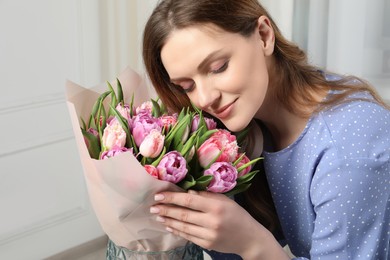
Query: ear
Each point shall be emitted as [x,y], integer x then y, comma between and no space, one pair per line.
[267,35]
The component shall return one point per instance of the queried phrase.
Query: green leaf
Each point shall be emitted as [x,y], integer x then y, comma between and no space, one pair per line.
[99,126]
[190,142]
[202,182]
[133,145]
[157,161]
[131,105]
[247,177]
[182,131]
[240,136]
[84,125]
[202,124]
[215,159]
[187,182]
[205,136]
[119,91]
[195,167]
[91,122]
[156,111]
[114,101]
[249,163]
[92,144]
[184,112]
[101,116]
[174,131]
[196,109]
[163,109]
[239,159]
[99,101]
[238,189]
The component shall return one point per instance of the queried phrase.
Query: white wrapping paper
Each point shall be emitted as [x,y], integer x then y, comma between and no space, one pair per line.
[120,190]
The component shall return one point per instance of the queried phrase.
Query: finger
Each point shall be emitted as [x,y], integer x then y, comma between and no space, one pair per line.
[194,237]
[182,214]
[185,229]
[188,200]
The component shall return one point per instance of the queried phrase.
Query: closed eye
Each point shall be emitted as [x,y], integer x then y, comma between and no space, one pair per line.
[221,69]
[186,86]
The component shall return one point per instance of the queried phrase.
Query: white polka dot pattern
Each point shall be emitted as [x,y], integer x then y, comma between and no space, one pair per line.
[332,186]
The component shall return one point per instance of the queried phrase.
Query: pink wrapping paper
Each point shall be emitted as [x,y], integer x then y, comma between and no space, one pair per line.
[120,190]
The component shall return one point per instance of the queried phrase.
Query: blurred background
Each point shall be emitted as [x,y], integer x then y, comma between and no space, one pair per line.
[44,205]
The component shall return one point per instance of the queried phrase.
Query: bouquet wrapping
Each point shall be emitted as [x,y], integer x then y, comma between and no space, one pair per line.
[127,168]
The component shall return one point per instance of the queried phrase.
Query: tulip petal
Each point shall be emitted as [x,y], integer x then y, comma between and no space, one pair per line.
[125,126]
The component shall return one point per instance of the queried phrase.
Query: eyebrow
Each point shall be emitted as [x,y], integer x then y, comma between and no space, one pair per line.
[202,66]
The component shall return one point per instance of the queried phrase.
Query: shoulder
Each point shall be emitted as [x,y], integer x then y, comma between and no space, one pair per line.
[358,108]
[358,128]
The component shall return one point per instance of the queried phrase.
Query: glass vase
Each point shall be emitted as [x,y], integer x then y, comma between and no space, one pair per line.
[188,252]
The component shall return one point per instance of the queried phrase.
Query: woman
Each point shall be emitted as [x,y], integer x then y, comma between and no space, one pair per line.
[326,137]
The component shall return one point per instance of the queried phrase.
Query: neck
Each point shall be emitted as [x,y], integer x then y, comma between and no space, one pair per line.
[284,126]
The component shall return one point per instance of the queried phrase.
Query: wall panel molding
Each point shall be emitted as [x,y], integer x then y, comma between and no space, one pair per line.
[34,139]
[40,101]
[49,222]
[36,143]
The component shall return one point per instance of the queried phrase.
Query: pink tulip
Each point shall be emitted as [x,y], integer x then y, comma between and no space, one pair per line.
[210,123]
[151,170]
[167,121]
[113,135]
[152,145]
[221,140]
[114,152]
[124,111]
[145,107]
[141,126]
[225,176]
[172,167]
[243,161]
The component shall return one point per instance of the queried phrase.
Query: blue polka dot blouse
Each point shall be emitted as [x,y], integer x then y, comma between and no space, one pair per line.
[331,187]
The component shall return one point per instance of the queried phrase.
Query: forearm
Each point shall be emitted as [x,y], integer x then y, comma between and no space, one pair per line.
[263,246]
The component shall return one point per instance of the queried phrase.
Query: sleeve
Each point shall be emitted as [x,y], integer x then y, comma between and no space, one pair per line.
[352,207]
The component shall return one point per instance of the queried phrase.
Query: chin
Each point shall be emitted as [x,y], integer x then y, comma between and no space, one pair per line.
[235,125]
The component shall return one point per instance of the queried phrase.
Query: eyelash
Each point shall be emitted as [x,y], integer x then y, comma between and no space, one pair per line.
[219,70]
[185,90]
[188,90]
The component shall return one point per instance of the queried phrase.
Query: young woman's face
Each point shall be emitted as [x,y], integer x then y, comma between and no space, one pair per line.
[222,73]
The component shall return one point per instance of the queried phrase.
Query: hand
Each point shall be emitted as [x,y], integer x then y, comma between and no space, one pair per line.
[210,220]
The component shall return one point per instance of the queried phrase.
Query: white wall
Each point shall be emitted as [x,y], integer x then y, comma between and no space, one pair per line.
[44,204]
[348,37]
[43,200]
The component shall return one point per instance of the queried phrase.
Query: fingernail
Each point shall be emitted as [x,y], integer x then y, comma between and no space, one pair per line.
[154,210]
[160,219]
[158,197]
[169,229]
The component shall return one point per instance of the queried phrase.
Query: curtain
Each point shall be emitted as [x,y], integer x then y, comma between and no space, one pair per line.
[347,36]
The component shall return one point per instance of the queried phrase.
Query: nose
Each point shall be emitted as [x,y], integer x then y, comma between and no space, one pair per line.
[207,94]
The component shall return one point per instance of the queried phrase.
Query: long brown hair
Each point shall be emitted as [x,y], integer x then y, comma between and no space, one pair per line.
[298,81]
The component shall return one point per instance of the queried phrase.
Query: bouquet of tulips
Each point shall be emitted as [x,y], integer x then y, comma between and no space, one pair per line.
[186,149]
[132,147]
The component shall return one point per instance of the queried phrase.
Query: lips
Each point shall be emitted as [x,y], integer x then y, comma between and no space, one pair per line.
[225,110]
